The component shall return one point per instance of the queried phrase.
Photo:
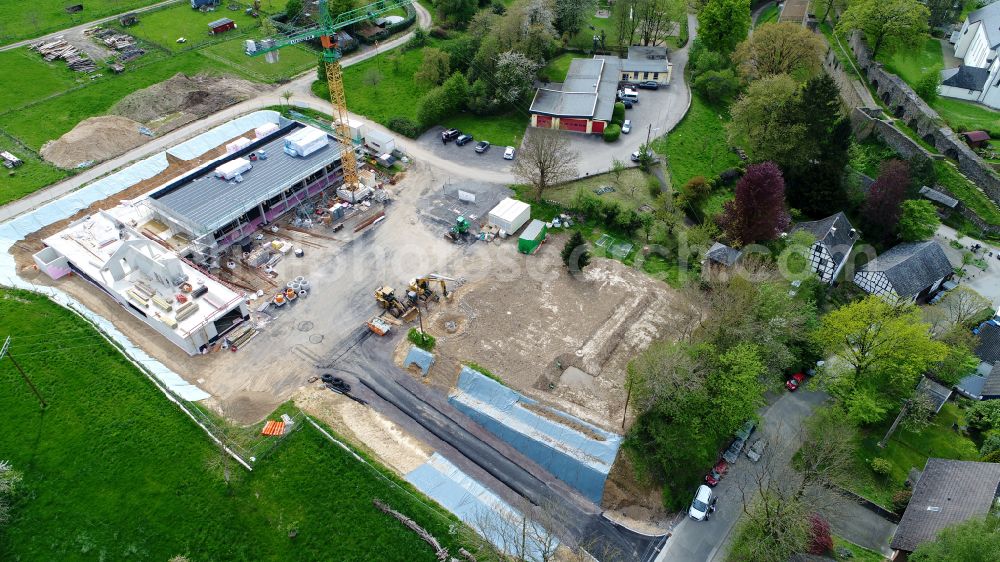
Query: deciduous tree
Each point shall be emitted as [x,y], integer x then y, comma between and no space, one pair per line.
[762,120]
[918,220]
[780,48]
[293,9]
[882,348]
[886,23]
[545,158]
[435,66]
[459,12]
[624,17]
[974,540]
[722,24]
[9,481]
[758,213]
[571,15]
[514,76]
[883,205]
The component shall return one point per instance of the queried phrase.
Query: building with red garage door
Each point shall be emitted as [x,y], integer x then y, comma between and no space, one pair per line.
[221,26]
[582,104]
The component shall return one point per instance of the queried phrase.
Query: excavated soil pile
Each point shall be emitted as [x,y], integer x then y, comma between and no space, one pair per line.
[96,139]
[198,96]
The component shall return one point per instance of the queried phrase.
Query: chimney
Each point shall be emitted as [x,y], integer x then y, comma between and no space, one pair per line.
[854,233]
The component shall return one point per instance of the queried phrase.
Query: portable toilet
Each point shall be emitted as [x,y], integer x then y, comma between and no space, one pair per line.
[532,237]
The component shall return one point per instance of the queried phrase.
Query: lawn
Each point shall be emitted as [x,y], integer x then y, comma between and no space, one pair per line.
[585,38]
[23,20]
[165,26]
[698,145]
[858,553]
[501,130]
[564,193]
[26,78]
[967,192]
[556,69]
[911,64]
[292,60]
[25,179]
[769,15]
[965,116]
[908,449]
[113,470]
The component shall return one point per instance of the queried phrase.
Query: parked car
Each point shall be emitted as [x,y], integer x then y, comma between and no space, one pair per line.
[703,504]
[636,156]
[624,84]
[746,431]
[627,126]
[732,454]
[795,382]
[482,146]
[450,135]
[628,94]
[627,104]
[649,85]
[463,140]
[508,154]
[718,471]
[756,450]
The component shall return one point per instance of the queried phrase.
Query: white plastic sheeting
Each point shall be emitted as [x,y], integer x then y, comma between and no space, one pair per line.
[476,505]
[21,226]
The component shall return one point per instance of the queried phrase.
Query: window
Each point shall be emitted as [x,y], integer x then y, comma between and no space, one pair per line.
[656,75]
[645,75]
[330,167]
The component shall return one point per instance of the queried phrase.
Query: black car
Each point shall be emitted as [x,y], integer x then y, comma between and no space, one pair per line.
[482,146]
[627,104]
[649,85]
[462,140]
[450,135]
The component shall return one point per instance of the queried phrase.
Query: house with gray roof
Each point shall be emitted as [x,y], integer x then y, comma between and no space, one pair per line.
[835,237]
[977,45]
[583,103]
[984,384]
[644,64]
[948,492]
[912,271]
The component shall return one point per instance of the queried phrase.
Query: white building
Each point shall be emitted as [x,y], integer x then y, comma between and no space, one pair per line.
[834,239]
[977,44]
[913,271]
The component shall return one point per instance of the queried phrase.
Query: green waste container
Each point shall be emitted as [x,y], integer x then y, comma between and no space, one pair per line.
[532,237]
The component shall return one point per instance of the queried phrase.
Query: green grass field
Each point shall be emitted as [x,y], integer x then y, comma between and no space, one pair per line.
[967,192]
[25,179]
[564,193]
[911,64]
[698,146]
[164,27]
[858,553]
[907,449]
[23,20]
[291,60]
[965,116]
[114,471]
[556,69]
[769,15]
[26,77]
[501,130]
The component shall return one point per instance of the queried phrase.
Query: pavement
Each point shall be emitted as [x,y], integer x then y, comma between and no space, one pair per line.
[986,283]
[695,541]
[862,527]
[465,155]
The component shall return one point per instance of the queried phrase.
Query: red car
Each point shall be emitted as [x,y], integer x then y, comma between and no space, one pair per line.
[795,382]
[718,471]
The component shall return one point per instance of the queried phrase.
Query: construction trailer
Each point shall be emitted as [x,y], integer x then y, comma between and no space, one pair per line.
[379,143]
[532,237]
[510,215]
[221,25]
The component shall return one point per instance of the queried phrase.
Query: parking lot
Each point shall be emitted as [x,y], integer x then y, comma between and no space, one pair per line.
[492,159]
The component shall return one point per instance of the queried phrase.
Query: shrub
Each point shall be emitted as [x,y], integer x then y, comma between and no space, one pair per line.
[423,340]
[900,499]
[498,8]
[618,113]
[612,132]
[927,86]
[417,40]
[404,126]
[820,539]
[653,185]
[990,444]
[881,466]
[992,457]
[439,32]
[716,85]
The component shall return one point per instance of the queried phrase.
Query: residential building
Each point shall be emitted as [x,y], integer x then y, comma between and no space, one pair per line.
[978,77]
[643,64]
[947,493]
[835,237]
[984,384]
[913,271]
[583,103]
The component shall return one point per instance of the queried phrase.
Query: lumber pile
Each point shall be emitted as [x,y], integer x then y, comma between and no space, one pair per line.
[124,43]
[59,48]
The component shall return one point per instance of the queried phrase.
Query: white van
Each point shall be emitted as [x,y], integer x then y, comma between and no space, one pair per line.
[627,94]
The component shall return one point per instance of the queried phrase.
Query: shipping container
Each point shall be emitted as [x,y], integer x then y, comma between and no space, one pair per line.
[532,237]
[305,141]
[510,215]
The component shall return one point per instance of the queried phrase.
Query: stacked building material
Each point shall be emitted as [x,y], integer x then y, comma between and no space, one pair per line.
[60,49]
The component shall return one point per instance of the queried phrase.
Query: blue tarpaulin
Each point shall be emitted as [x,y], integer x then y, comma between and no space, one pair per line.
[420,358]
[576,452]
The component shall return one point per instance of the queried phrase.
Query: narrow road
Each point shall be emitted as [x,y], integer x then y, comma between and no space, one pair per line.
[703,541]
[83,26]
[370,365]
[303,95]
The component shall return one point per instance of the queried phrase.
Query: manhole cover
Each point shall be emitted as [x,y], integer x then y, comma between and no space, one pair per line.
[305,326]
[316,338]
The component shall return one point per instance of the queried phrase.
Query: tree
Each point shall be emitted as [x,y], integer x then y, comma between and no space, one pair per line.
[762,120]
[722,24]
[694,193]
[433,107]
[820,538]
[337,7]
[522,533]
[373,77]
[293,9]
[571,14]
[779,48]
[918,220]
[514,77]
[435,66]
[941,12]
[886,23]
[617,169]
[545,159]
[456,91]
[655,18]
[927,86]
[758,212]
[716,86]
[961,306]
[9,481]
[458,12]
[827,6]
[624,17]
[974,540]
[287,95]
[883,205]
[882,348]
[575,255]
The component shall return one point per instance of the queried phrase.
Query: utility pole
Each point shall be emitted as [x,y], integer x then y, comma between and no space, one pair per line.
[5,352]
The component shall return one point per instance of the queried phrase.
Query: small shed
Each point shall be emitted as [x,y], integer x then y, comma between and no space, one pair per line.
[532,237]
[379,142]
[510,215]
[128,19]
[221,25]
[976,139]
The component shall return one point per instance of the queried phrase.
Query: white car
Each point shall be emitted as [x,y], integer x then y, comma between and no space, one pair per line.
[508,154]
[703,504]
[627,127]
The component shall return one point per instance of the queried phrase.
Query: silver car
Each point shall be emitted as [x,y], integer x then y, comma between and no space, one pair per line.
[756,450]
[627,126]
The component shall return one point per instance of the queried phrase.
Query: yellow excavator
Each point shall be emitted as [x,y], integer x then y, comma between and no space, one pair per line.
[421,286]
[386,298]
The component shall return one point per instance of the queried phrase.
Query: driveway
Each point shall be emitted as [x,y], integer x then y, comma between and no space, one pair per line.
[863,527]
[986,283]
[465,156]
[695,541]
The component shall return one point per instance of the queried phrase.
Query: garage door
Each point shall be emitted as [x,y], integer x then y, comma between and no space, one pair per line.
[597,127]
[577,125]
[543,121]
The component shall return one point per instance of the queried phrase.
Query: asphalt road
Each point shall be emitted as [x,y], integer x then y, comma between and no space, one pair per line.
[384,384]
[696,541]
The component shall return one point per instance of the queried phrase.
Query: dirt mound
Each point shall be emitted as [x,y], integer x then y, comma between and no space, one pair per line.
[198,95]
[96,139]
